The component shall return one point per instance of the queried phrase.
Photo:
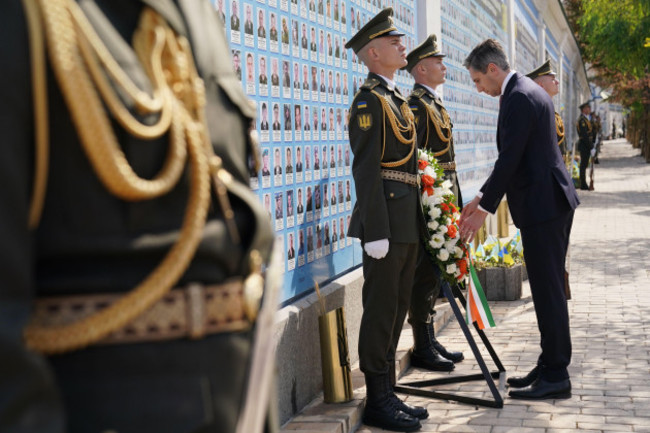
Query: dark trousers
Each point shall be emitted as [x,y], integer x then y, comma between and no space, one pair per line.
[426,287]
[386,295]
[178,386]
[545,248]
[584,163]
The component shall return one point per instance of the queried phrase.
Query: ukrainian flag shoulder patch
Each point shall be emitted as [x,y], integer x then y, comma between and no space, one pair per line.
[362,104]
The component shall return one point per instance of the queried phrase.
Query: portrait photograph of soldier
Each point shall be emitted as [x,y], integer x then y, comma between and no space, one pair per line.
[220,11]
[287,117]
[264,117]
[248,21]
[277,161]
[261,26]
[236,62]
[297,118]
[307,126]
[273,30]
[266,168]
[300,208]
[234,17]
[278,206]
[277,126]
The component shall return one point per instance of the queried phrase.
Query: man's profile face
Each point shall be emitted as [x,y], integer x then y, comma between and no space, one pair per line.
[549,83]
[436,69]
[486,82]
[390,51]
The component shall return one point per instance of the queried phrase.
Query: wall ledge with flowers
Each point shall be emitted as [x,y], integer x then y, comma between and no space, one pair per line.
[500,268]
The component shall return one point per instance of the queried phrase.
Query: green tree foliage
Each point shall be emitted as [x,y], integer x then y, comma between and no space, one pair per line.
[613,39]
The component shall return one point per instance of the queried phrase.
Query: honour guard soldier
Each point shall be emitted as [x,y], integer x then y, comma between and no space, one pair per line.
[545,77]
[386,218]
[434,131]
[130,280]
[586,143]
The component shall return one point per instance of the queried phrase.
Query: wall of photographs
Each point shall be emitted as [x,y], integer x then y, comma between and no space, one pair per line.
[465,23]
[290,57]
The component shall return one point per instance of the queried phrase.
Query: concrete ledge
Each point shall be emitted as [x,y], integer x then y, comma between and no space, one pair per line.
[301,404]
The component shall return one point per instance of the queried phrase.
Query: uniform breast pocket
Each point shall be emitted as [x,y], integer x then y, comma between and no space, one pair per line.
[395,190]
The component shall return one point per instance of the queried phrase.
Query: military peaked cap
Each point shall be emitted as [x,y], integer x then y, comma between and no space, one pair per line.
[428,48]
[381,25]
[583,105]
[545,69]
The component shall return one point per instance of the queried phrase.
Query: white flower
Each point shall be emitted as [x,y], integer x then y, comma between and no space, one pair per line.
[442,230]
[428,170]
[450,246]
[446,184]
[458,252]
[433,224]
[423,155]
[443,255]
[434,212]
[451,269]
[436,241]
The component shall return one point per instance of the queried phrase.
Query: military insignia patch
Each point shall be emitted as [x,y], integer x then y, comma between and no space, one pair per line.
[365,121]
[362,104]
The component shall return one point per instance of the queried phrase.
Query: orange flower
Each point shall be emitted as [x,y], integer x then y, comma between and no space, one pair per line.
[422,164]
[428,190]
[444,207]
[427,180]
[451,230]
[462,265]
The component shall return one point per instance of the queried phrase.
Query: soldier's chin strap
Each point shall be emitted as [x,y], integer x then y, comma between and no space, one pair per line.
[76,53]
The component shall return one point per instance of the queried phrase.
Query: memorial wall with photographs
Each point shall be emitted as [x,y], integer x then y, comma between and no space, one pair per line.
[291,60]
[465,23]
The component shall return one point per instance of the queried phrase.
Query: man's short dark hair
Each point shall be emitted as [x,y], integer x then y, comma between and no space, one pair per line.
[488,51]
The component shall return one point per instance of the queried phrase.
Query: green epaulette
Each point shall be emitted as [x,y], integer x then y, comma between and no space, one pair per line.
[419,92]
[370,84]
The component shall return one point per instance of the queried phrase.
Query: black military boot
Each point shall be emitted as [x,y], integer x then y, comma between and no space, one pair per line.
[415,411]
[424,354]
[380,409]
[452,356]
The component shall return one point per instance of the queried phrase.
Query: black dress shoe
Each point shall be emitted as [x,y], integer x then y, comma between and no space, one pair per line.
[452,356]
[388,417]
[431,360]
[418,412]
[544,390]
[524,381]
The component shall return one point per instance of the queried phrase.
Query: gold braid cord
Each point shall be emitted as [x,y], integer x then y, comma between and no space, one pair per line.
[179,100]
[442,125]
[559,129]
[400,131]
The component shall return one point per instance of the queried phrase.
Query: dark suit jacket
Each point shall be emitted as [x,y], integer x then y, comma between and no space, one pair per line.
[529,168]
[384,209]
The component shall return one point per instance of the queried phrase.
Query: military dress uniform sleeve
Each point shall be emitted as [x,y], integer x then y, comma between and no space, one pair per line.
[366,120]
[28,398]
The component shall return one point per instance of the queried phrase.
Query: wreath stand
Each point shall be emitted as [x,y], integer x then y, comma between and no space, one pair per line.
[416,388]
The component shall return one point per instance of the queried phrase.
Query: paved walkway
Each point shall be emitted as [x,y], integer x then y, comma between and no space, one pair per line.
[610,320]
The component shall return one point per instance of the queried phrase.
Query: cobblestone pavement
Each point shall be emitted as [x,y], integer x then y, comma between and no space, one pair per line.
[609,269]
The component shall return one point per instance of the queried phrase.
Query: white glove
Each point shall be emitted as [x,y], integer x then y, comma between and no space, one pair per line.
[377,249]
[593,152]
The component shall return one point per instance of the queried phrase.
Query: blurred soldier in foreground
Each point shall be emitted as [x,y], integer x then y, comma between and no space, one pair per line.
[132,246]
[386,217]
[434,134]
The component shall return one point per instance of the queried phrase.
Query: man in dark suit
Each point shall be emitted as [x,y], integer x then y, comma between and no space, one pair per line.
[385,217]
[425,64]
[261,30]
[585,143]
[276,118]
[248,23]
[542,200]
[98,233]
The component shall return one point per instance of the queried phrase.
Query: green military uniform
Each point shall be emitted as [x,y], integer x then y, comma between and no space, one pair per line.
[89,246]
[434,129]
[545,69]
[385,209]
[585,144]
[383,141]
